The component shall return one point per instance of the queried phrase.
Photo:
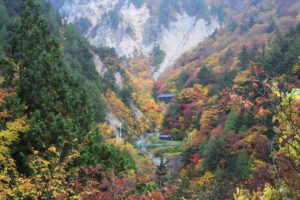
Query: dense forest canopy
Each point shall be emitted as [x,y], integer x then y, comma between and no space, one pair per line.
[73,116]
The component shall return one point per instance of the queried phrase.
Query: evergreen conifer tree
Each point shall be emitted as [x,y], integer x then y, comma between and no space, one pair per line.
[242,165]
[244,58]
[56,108]
[161,172]
[204,75]
[231,122]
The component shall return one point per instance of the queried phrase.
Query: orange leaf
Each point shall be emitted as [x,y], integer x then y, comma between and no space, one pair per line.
[261,112]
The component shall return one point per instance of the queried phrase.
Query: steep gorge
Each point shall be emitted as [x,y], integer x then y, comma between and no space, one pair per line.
[135,30]
[64,105]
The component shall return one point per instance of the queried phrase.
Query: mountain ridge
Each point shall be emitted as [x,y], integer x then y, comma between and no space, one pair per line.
[134,30]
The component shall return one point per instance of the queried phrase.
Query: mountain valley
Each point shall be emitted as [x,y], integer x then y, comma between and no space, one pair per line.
[150,99]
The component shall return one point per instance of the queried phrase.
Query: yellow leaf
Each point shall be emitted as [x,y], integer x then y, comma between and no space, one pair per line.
[52,149]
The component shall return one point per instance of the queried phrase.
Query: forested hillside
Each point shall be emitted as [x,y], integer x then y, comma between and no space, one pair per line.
[53,105]
[79,122]
[238,101]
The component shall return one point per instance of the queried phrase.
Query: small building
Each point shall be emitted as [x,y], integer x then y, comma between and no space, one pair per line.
[166,98]
[165,137]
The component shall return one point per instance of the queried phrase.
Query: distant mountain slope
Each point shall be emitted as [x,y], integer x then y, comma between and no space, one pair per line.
[134,28]
[250,23]
[232,95]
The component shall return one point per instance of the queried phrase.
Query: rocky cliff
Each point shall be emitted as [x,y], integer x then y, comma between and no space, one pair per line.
[135,27]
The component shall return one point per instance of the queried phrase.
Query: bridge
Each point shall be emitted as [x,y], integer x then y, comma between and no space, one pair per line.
[166,98]
[162,144]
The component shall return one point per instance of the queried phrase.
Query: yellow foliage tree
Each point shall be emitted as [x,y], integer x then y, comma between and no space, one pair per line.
[106,131]
[288,130]
[242,82]
[8,172]
[203,90]
[205,180]
[123,113]
[268,193]
[187,95]
[48,176]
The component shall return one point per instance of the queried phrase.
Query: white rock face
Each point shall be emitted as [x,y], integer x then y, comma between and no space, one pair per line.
[137,32]
[90,9]
[119,80]
[100,68]
[125,44]
[183,35]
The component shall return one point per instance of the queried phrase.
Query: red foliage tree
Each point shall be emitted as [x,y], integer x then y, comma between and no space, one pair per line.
[216,132]
[194,158]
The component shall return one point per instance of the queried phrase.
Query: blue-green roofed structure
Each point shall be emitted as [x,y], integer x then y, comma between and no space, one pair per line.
[166,98]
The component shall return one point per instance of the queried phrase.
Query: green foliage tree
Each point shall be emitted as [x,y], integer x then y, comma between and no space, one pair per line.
[79,60]
[291,57]
[273,58]
[161,172]
[283,55]
[3,38]
[159,55]
[244,27]
[165,15]
[231,122]
[242,165]
[213,153]
[53,18]
[227,77]
[83,25]
[177,134]
[125,94]
[197,8]
[219,11]
[244,58]
[244,121]
[94,96]
[272,26]
[229,53]
[110,79]
[232,26]
[97,152]
[114,18]
[251,21]
[4,20]
[12,7]
[204,75]
[77,52]
[155,92]
[56,107]
[104,52]
[174,109]
[183,77]
[224,81]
